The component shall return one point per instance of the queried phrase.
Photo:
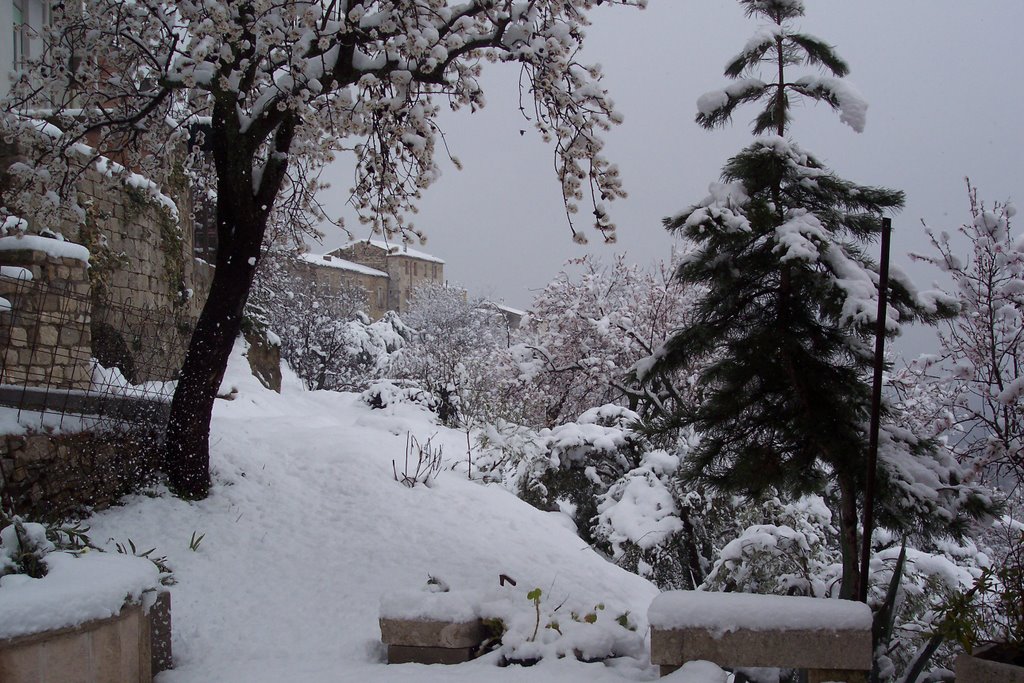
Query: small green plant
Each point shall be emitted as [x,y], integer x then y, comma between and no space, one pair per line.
[195,541]
[23,545]
[166,574]
[534,597]
[991,612]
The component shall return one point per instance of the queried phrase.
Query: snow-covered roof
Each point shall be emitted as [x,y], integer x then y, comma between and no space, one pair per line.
[506,309]
[396,249]
[335,262]
[509,309]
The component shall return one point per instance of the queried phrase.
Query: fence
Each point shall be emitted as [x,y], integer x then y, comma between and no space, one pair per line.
[85,387]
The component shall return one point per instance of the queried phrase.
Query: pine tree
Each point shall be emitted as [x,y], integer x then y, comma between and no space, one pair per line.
[784,330]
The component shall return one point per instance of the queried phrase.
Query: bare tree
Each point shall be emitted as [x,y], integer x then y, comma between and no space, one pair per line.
[981,362]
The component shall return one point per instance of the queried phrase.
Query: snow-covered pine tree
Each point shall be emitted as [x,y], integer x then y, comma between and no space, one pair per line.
[786,323]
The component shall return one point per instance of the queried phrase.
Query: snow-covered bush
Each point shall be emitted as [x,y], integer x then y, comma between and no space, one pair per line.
[23,545]
[785,548]
[384,393]
[580,460]
[650,525]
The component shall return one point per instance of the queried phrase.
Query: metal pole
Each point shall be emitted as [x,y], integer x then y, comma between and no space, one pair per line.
[876,409]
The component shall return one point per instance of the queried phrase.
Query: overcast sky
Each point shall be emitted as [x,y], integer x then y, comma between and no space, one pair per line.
[943,79]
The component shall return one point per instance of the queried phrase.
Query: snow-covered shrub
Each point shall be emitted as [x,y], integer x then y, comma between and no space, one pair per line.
[784,548]
[384,393]
[326,338]
[23,545]
[496,450]
[580,461]
[647,524]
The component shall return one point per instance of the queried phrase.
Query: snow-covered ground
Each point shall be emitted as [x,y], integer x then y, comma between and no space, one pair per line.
[306,529]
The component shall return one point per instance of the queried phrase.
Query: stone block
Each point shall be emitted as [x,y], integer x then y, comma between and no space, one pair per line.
[435,634]
[47,335]
[70,336]
[407,654]
[970,669]
[798,649]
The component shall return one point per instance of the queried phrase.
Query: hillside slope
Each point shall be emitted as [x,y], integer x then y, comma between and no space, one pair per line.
[306,529]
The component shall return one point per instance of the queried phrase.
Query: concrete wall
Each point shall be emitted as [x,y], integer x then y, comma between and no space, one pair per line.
[129,648]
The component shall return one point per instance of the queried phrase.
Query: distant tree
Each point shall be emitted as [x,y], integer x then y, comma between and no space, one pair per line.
[981,362]
[273,90]
[454,350]
[586,330]
[789,305]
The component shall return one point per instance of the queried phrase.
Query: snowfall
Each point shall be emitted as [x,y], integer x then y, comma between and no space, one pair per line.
[306,534]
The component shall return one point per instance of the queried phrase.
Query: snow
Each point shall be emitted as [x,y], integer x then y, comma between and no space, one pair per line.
[727,612]
[308,534]
[853,108]
[74,590]
[452,606]
[52,247]
[335,262]
[396,250]
[16,273]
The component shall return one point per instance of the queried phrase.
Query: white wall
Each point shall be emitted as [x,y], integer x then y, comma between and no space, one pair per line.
[6,46]
[36,16]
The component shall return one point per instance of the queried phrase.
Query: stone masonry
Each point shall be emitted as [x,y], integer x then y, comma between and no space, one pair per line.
[54,476]
[46,337]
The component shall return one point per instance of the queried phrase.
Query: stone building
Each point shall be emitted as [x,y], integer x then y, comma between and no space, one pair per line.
[406,268]
[333,273]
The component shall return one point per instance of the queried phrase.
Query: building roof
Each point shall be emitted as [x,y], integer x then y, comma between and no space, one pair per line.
[335,262]
[396,250]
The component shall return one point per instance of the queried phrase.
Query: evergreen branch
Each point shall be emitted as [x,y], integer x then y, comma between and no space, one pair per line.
[711,116]
[819,53]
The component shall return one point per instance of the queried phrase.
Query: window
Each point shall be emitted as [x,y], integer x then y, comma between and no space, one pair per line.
[415,269]
[19,31]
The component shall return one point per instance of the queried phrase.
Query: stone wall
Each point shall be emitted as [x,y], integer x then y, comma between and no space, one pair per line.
[147,288]
[46,337]
[54,476]
[407,273]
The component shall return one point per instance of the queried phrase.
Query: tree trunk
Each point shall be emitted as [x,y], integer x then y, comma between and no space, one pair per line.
[241,224]
[188,430]
[848,538]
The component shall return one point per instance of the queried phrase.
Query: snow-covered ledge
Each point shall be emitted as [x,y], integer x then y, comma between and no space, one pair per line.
[831,639]
[98,618]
